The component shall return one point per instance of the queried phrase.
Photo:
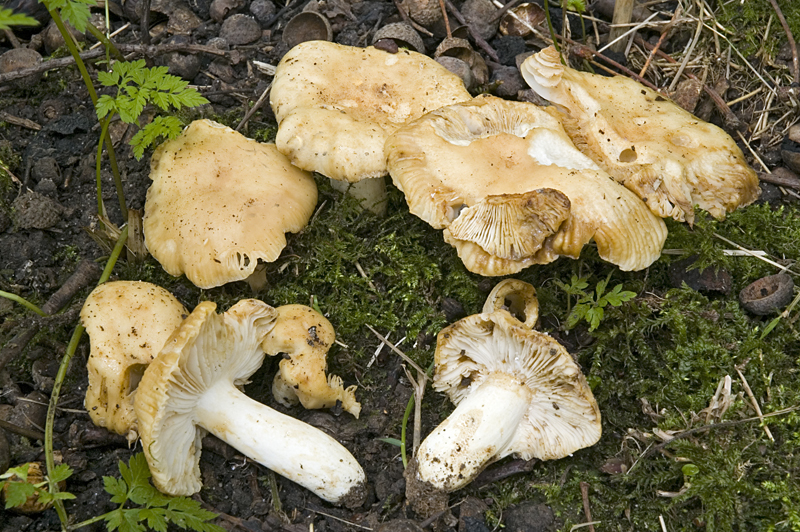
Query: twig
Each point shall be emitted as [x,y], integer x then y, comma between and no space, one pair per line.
[446,19]
[755,403]
[586,509]
[480,41]
[514,467]
[86,273]
[724,424]
[790,38]
[256,107]
[783,181]
[409,21]
[136,49]
[22,431]
[316,510]
[418,384]
[755,254]
[664,32]
[504,10]
[21,122]
[688,53]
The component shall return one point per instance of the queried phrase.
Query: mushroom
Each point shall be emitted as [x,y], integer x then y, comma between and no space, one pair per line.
[128,323]
[304,336]
[671,159]
[516,391]
[193,387]
[510,189]
[335,106]
[220,202]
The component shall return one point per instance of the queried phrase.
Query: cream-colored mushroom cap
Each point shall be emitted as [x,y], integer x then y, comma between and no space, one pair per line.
[219,202]
[511,190]
[128,323]
[667,156]
[516,391]
[336,104]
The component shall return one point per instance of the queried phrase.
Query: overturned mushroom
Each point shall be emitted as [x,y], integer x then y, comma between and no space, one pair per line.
[336,104]
[510,189]
[220,202]
[128,323]
[304,336]
[516,391]
[193,387]
[671,159]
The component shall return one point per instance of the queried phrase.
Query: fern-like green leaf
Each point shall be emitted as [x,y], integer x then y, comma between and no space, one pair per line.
[8,18]
[16,493]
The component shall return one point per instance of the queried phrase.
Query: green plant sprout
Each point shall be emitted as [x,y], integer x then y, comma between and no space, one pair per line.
[590,305]
[17,492]
[153,507]
[8,18]
[136,87]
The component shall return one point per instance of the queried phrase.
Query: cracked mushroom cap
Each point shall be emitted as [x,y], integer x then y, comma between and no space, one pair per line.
[510,189]
[671,159]
[220,202]
[336,104]
[128,323]
[304,336]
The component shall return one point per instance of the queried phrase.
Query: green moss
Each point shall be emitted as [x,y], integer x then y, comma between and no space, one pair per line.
[747,22]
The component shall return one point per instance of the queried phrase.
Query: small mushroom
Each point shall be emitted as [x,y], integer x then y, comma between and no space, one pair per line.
[510,189]
[193,387]
[668,157]
[516,391]
[304,336]
[336,105]
[220,202]
[128,323]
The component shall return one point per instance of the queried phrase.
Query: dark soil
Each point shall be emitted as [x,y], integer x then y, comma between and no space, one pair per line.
[48,140]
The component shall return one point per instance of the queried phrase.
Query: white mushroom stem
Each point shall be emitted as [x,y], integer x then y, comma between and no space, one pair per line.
[371,192]
[289,447]
[479,431]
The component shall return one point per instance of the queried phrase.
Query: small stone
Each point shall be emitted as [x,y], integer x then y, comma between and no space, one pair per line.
[53,40]
[529,517]
[46,168]
[262,10]
[509,81]
[240,29]
[19,59]
[33,210]
[480,13]
[706,280]
[220,9]
[459,68]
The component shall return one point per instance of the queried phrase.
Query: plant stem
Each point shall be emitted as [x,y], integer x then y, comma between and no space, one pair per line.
[87,80]
[406,415]
[59,380]
[98,160]
[22,301]
[553,34]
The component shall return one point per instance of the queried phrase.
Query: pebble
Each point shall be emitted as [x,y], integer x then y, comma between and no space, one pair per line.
[529,517]
[240,29]
[18,59]
[35,211]
[262,10]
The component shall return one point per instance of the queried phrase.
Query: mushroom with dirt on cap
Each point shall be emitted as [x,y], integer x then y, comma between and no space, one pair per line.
[304,337]
[128,323]
[516,391]
[668,157]
[193,387]
[335,106]
[220,203]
